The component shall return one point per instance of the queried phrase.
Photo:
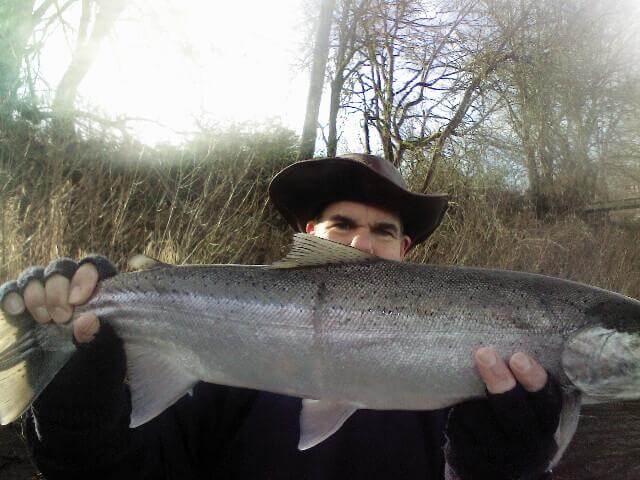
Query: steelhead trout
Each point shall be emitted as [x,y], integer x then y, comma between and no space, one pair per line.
[342,329]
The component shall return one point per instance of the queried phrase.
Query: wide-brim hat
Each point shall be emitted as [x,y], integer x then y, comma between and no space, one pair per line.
[302,190]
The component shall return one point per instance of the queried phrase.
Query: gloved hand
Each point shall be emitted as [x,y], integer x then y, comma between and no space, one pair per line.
[98,367]
[80,422]
[50,294]
[508,436]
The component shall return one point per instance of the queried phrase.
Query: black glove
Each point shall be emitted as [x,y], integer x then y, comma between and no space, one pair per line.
[89,387]
[88,391]
[90,384]
[80,422]
[508,436]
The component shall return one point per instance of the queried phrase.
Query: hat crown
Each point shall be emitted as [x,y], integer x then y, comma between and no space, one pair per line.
[301,190]
[379,165]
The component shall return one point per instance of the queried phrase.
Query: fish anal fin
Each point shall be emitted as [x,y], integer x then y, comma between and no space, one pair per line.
[319,419]
[156,383]
[309,250]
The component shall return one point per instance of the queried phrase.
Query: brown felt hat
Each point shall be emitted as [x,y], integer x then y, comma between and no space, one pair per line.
[301,191]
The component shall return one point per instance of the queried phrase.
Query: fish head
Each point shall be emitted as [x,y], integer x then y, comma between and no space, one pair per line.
[603,358]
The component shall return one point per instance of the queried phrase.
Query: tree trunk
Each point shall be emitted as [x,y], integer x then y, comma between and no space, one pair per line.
[457,118]
[85,53]
[367,141]
[320,55]
[334,107]
[14,35]
[349,15]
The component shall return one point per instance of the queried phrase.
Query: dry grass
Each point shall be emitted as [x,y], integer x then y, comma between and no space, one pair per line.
[206,203]
[493,227]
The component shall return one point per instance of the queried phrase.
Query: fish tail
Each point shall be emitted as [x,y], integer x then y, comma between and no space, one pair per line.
[30,356]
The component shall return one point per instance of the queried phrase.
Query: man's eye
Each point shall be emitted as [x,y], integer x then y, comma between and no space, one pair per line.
[386,233]
[341,226]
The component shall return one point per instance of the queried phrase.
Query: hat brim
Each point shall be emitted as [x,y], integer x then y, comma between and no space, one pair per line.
[302,190]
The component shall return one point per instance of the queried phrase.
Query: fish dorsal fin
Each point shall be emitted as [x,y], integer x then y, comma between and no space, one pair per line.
[319,419]
[309,250]
[144,262]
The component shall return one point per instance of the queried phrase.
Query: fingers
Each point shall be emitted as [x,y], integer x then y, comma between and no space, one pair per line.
[13,304]
[85,327]
[528,372]
[42,292]
[57,298]
[57,277]
[494,371]
[500,377]
[105,268]
[35,300]
[52,293]
[61,266]
[83,284]
[30,277]
[523,397]
[11,292]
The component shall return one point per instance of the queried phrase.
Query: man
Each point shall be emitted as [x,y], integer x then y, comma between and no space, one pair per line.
[78,427]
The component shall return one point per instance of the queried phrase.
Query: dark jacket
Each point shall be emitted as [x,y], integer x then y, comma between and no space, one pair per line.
[79,429]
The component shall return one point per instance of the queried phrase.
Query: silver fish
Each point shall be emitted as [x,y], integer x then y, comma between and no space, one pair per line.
[341,329]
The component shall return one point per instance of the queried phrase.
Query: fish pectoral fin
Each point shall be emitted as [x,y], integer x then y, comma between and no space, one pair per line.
[156,382]
[319,419]
[143,262]
[309,250]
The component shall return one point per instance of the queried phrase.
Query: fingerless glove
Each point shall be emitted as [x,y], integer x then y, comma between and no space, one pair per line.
[508,436]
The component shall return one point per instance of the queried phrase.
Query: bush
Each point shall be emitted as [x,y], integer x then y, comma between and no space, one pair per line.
[206,202]
[203,202]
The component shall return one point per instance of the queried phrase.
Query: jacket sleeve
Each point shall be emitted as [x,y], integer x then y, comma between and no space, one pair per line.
[79,425]
[506,435]
[449,474]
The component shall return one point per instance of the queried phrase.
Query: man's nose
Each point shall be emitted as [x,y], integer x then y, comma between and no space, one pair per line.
[362,241]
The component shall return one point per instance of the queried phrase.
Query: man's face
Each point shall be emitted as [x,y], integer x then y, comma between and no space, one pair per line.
[364,227]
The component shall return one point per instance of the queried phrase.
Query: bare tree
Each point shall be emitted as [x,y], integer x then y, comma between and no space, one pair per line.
[408,55]
[344,62]
[28,26]
[21,20]
[97,19]
[439,138]
[320,54]
[564,95]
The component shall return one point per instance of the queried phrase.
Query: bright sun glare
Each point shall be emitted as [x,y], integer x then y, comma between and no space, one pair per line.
[172,61]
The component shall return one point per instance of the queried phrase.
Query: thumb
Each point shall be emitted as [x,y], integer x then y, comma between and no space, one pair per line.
[85,327]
